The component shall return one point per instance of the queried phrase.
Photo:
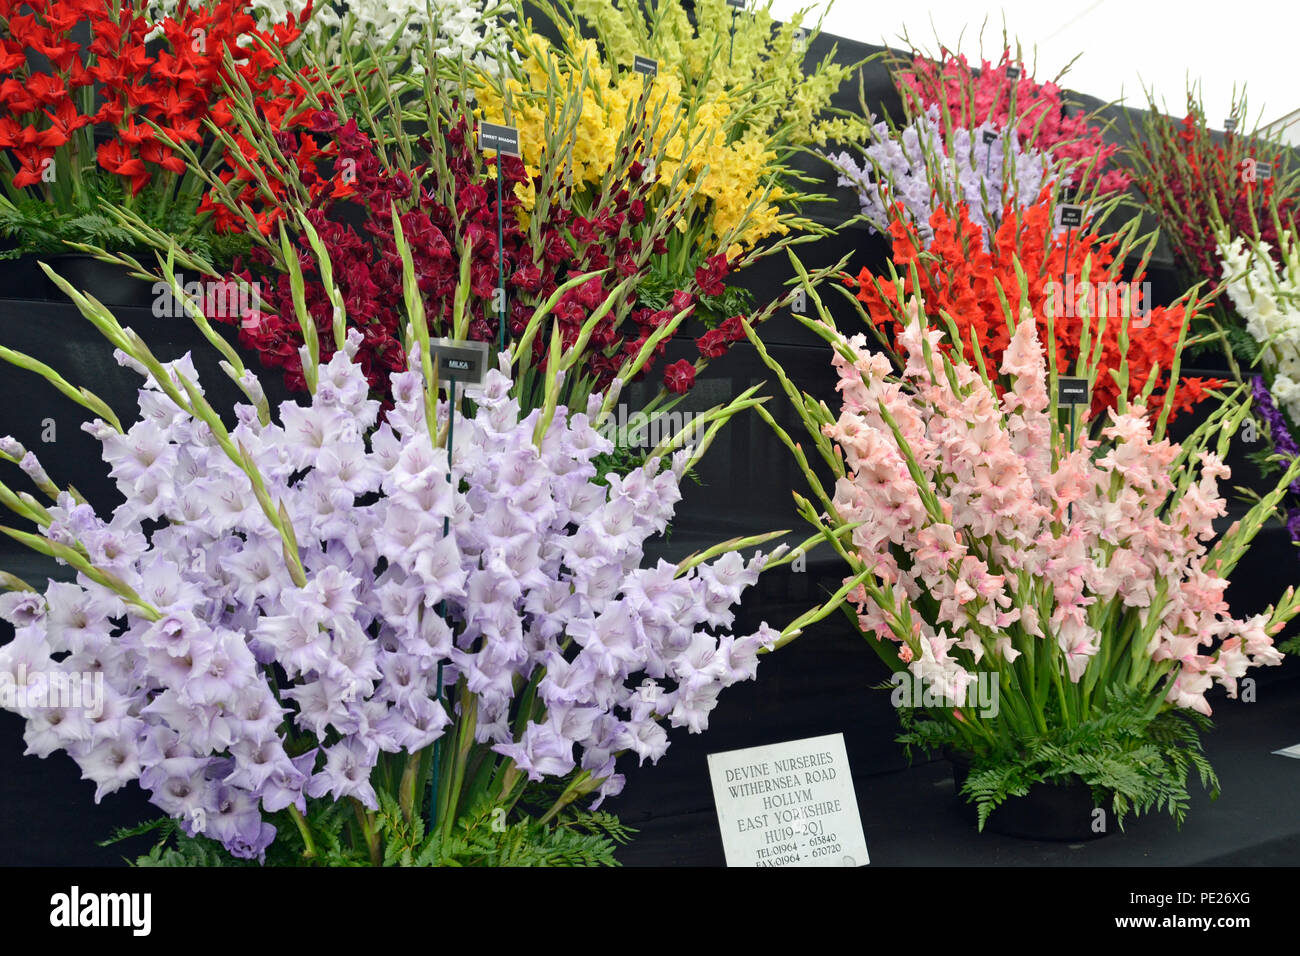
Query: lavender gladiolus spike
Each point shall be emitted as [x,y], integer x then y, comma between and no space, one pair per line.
[917,167]
[251,694]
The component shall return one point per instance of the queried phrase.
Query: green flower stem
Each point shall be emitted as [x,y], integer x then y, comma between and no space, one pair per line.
[580,785]
[366,820]
[795,627]
[726,547]
[716,416]
[801,459]
[309,851]
[552,388]
[501,258]
[437,781]
[1102,662]
[631,369]
[579,347]
[972,725]
[479,774]
[1044,666]
[274,513]
[1067,717]
[232,364]
[1021,706]
[526,701]
[339,319]
[801,402]
[75,558]
[407,788]
[131,343]
[306,323]
[459,312]
[465,726]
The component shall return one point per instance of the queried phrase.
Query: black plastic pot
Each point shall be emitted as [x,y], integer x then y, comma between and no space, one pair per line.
[1049,811]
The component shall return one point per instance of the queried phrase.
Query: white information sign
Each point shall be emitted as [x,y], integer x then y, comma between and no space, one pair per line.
[788,804]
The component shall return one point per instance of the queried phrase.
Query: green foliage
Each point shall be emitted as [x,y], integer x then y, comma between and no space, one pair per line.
[175,848]
[42,230]
[622,461]
[37,227]
[1137,762]
[928,736]
[335,832]
[481,837]
[405,841]
[577,838]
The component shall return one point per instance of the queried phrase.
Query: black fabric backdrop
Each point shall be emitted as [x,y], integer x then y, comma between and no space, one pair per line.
[820,684]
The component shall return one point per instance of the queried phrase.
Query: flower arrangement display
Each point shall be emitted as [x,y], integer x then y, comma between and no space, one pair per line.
[918,167]
[1197,182]
[401,619]
[590,253]
[1079,302]
[1039,112]
[83,125]
[991,542]
[331,639]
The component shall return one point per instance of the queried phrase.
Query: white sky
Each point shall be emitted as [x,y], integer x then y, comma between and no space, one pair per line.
[1125,44]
